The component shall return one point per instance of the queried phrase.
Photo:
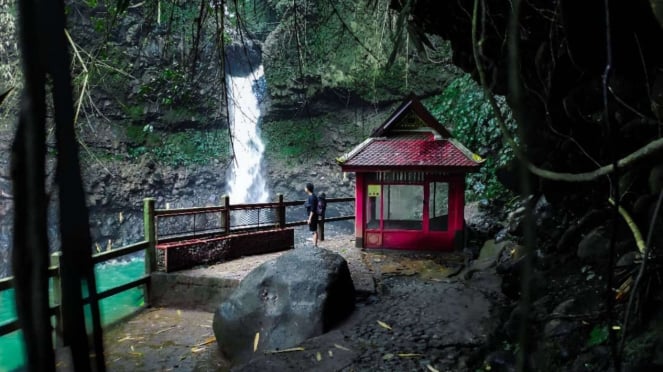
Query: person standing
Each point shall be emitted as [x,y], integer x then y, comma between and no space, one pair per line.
[311,205]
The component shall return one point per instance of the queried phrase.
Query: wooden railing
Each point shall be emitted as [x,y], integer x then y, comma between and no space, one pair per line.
[54,272]
[275,212]
[227,218]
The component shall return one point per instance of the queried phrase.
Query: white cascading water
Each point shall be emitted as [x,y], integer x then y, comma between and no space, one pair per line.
[245,182]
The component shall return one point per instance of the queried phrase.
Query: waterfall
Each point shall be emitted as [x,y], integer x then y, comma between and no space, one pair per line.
[246,183]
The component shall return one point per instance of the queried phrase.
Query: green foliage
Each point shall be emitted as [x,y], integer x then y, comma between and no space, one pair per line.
[257,16]
[181,148]
[135,113]
[343,45]
[302,140]
[179,115]
[642,345]
[181,17]
[193,147]
[288,139]
[169,87]
[138,135]
[463,108]
[113,10]
[292,140]
[598,335]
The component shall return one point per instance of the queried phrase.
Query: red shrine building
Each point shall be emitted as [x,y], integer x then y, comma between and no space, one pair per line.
[410,183]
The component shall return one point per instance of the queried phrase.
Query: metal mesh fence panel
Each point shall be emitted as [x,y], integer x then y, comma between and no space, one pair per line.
[295,213]
[253,218]
[190,224]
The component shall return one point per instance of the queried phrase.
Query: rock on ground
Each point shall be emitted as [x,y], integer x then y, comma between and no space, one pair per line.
[283,302]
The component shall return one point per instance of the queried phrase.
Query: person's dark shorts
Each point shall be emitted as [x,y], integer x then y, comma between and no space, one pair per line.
[313,226]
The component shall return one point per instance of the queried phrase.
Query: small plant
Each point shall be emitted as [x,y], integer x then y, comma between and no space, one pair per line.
[135,113]
[291,139]
[598,335]
[463,108]
[181,148]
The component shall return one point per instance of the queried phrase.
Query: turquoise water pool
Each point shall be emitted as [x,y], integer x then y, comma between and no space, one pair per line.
[109,275]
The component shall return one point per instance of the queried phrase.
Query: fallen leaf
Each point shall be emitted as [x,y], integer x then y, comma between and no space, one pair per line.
[197,349]
[409,355]
[431,368]
[384,325]
[341,347]
[136,353]
[207,341]
[179,312]
[164,330]
[318,357]
[331,354]
[130,338]
[299,348]
[388,356]
[255,341]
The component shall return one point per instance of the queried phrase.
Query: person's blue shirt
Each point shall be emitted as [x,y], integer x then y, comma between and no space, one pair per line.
[311,205]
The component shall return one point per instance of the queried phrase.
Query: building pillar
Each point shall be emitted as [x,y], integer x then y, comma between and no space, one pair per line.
[359,210]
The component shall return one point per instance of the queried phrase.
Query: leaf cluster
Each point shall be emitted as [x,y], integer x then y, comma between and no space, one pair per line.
[463,108]
[181,148]
[290,140]
[342,45]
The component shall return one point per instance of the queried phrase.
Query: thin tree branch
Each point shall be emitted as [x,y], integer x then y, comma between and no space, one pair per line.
[637,235]
[643,266]
[345,26]
[645,152]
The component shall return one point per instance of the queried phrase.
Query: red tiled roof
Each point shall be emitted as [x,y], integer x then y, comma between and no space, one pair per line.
[383,153]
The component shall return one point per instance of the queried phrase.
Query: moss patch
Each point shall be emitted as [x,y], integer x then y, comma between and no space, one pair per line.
[179,148]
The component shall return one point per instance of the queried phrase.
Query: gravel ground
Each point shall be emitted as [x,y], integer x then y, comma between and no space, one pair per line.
[411,324]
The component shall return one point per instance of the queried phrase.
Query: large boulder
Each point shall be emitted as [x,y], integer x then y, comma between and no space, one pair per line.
[299,295]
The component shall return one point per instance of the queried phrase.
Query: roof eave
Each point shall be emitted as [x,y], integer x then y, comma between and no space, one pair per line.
[350,154]
[409,168]
[416,105]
